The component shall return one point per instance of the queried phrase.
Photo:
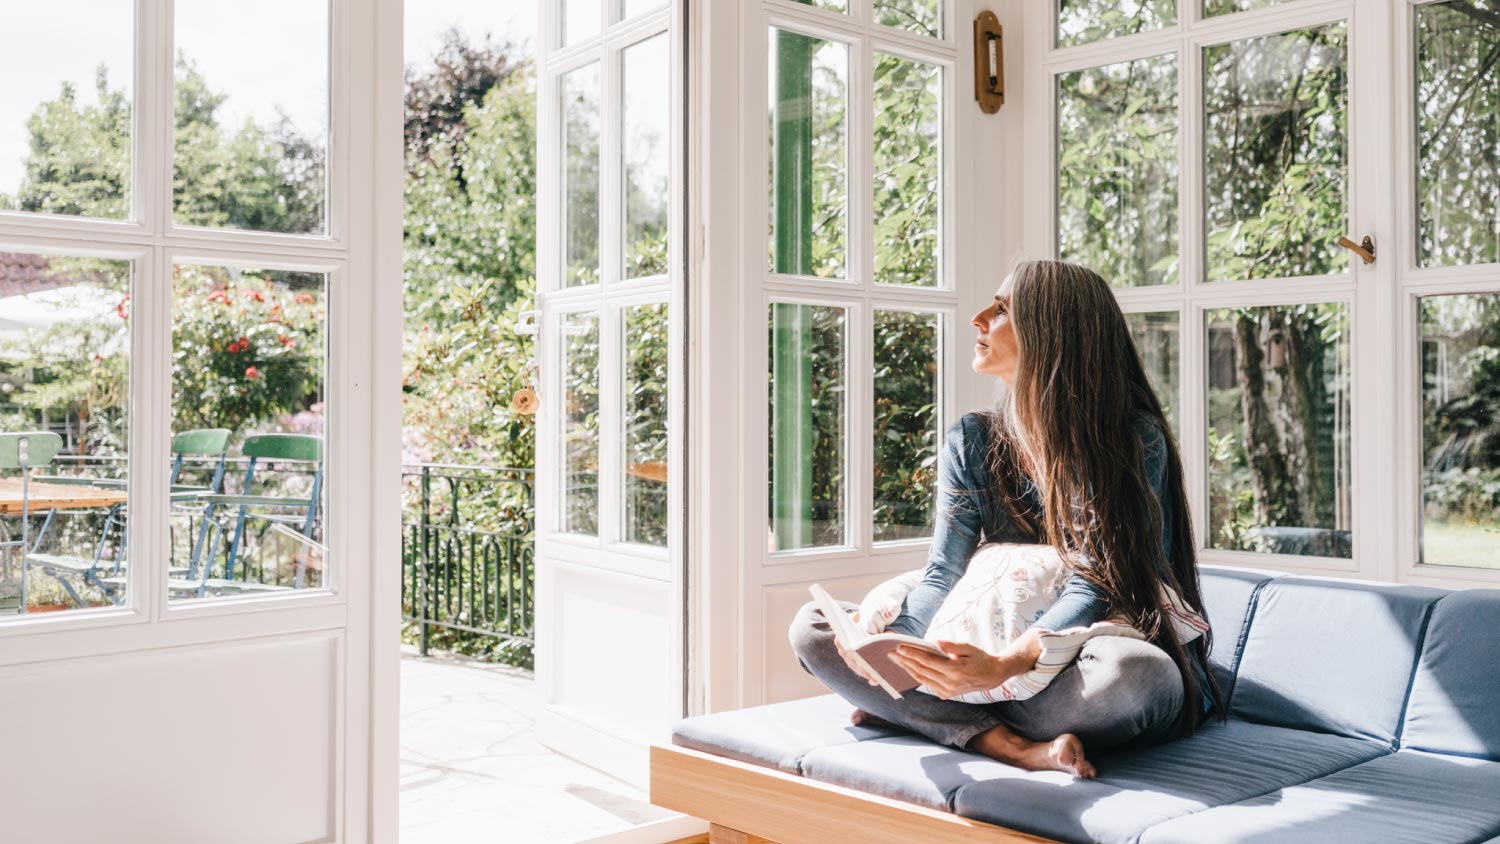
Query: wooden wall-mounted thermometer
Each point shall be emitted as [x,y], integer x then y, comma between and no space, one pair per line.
[989,63]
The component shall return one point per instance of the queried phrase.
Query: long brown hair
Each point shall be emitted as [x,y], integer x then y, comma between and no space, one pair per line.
[1071,416]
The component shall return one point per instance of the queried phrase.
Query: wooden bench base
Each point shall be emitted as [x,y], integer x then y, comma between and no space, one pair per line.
[748,804]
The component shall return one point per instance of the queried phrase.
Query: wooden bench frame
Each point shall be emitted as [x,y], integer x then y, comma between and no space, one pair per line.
[746,804]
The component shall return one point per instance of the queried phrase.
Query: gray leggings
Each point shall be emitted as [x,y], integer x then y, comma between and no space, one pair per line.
[1119,691]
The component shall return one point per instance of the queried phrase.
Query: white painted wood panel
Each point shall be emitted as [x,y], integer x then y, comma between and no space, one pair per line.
[227,744]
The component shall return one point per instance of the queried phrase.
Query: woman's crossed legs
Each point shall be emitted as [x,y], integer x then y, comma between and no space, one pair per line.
[1119,691]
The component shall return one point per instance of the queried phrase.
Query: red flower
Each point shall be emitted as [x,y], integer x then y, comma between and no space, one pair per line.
[234,348]
[286,341]
[252,373]
[303,299]
[244,343]
[123,309]
[219,295]
[254,294]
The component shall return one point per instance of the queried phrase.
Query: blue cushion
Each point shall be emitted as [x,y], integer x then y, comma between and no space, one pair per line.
[777,735]
[1221,763]
[1227,594]
[908,768]
[1333,656]
[1398,799]
[1453,697]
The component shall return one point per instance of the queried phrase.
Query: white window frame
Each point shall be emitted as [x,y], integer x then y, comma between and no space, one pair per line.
[154,242]
[1382,299]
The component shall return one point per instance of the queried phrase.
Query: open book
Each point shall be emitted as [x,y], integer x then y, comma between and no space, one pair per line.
[873,650]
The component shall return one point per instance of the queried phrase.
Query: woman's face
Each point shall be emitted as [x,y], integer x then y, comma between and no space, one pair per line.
[995,352]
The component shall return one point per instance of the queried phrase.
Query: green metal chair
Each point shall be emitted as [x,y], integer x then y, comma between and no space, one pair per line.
[109,575]
[24,452]
[291,516]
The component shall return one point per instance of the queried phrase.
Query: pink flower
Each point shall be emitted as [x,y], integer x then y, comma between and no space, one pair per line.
[252,373]
[303,299]
[123,309]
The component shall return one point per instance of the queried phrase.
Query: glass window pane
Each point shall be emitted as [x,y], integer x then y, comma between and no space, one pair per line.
[808,412]
[1082,21]
[830,5]
[637,7]
[924,17]
[66,106]
[249,381]
[647,152]
[1156,339]
[646,434]
[908,170]
[1117,170]
[581,19]
[1278,429]
[907,395]
[1461,430]
[251,130]
[65,386]
[809,166]
[581,127]
[580,376]
[1214,8]
[1275,155]
[1458,133]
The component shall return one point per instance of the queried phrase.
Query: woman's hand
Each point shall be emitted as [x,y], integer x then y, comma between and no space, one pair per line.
[965,669]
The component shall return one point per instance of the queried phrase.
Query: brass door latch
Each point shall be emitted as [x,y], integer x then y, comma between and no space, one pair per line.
[989,63]
[1364,249]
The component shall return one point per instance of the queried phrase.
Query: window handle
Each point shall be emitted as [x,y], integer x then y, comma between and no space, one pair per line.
[1365,249]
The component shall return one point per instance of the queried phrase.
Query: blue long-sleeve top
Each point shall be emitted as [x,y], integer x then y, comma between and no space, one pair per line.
[968,515]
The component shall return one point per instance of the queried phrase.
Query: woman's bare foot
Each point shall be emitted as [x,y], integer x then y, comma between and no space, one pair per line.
[861,718]
[1064,753]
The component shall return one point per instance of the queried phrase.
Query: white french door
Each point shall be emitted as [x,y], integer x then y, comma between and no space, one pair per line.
[1205,156]
[610,584]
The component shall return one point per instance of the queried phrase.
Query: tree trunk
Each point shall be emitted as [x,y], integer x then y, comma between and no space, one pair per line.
[1263,451]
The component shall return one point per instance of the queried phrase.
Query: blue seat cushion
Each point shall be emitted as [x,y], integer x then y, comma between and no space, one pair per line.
[1453,705]
[1227,595]
[1331,656]
[778,735]
[1135,790]
[1401,798]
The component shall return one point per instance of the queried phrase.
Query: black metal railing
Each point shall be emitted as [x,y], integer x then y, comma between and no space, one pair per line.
[467,551]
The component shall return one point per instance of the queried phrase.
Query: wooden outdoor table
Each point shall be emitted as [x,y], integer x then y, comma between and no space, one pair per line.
[46,497]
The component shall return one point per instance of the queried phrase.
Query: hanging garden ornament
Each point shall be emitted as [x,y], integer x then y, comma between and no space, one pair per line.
[525,401]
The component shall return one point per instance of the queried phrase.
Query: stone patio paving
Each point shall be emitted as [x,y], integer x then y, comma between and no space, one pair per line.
[473,771]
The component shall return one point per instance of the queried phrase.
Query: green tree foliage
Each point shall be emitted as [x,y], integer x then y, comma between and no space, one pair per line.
[470,263]
[78,160]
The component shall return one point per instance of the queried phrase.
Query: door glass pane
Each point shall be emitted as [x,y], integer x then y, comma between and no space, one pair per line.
[809,391]
[251,122]
[907,395]
[1458,133]
[580,412]
[809,166]
[1461,430]
[1082,21]
[646,436]
[647,154]
[65,386]
[1117,170]
[1214,8]
[1275,155]
[581,127]
[636,7]
[924,17]
[908,170]
[830,5]
[1156,339]
[249,380]
[1278,429]
[65,107]
[581,19]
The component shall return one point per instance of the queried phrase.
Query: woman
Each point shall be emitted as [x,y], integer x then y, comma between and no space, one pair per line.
[1078,456]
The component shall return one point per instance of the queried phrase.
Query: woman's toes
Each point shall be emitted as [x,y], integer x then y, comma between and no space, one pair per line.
[1067,755]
